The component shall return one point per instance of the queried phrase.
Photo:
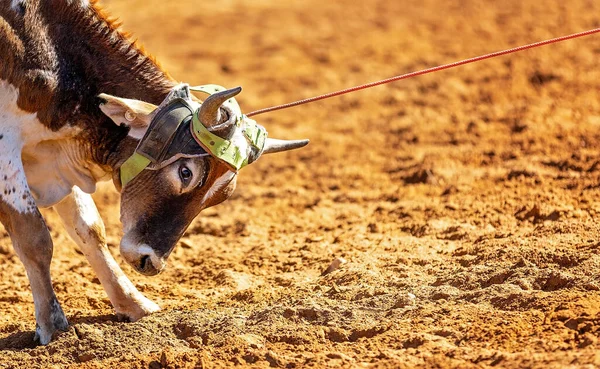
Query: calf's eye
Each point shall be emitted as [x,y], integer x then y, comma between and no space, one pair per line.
[185,174]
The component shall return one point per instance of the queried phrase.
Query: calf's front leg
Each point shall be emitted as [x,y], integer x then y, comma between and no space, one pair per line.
[33,245]
[83,223]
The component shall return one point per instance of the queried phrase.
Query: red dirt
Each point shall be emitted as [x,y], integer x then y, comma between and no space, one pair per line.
[463,202]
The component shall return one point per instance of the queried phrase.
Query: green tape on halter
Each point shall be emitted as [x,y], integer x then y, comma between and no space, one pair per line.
[132,167]
[254,133]
[221,148]
[217,146]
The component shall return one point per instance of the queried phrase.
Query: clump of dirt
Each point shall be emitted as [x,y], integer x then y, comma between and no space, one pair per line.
[446,221]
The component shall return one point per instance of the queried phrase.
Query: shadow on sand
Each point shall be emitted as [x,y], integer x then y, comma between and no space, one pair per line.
[24,340]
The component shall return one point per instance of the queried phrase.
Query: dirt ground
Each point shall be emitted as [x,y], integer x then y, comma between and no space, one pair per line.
[463,203]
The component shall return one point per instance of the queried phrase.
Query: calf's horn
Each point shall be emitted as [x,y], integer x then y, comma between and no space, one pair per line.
[272,145]
[210,110]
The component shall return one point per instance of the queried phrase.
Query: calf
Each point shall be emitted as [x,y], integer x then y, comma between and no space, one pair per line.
[79,103]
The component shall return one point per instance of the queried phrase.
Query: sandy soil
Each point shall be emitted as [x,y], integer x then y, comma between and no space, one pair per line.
[464,203]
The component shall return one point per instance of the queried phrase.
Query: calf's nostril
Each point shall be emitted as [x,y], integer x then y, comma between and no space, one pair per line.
[144,262]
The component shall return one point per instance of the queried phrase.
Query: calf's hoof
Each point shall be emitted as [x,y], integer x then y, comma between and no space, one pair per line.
[137,309]
[45,328]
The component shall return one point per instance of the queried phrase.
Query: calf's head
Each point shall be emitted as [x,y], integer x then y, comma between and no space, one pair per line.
[182,174]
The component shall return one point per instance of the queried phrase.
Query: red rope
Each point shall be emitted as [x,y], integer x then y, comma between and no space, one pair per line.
[425,71]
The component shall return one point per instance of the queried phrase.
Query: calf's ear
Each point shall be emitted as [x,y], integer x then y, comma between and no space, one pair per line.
[135,114]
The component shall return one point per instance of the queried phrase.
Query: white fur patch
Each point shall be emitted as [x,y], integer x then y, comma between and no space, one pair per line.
[219,183]
[86,208]
[132,251]
[16,5]
[37,160]
[14,190]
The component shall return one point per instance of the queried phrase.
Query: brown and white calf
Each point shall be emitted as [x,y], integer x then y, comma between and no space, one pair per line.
[56,142]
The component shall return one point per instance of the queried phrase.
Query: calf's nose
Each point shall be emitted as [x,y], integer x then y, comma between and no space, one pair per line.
[141,256]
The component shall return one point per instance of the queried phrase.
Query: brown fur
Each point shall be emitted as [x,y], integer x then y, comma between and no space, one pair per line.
[61,56]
